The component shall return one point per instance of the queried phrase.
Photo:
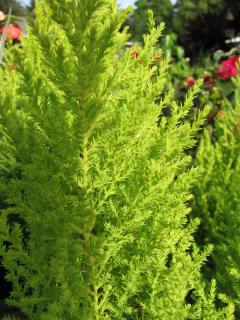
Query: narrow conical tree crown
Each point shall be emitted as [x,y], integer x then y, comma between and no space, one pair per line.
[95,178]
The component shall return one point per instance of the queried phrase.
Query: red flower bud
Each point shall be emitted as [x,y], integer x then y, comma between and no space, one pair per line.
[208,80]
[157,58]
[134,54]
[221,114]
[190,81]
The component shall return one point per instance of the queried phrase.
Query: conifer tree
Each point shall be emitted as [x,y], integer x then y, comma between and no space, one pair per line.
[96,223]
[217,200]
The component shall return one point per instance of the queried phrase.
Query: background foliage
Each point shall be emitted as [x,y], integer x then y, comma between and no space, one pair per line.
[17,8]
[200,25]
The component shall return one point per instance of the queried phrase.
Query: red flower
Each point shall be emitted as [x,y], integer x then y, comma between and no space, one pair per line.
[13,32]
[229,68]
[208,80]
[190,81]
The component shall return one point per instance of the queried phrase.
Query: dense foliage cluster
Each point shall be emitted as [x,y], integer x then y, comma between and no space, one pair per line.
[217,197]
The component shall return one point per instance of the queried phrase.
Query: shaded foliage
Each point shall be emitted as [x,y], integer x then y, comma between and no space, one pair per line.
[17,8]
